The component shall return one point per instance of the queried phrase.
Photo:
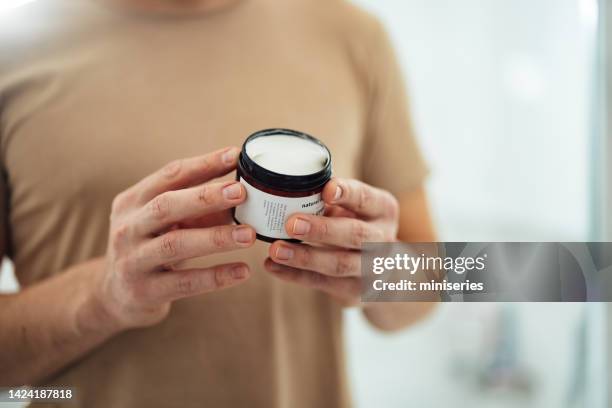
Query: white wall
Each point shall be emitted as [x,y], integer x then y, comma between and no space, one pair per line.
[501,95]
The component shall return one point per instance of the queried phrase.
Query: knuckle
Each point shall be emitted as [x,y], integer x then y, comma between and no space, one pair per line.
[392,205]
[205,164]
[159,207]
[365,199]
[219,238]
[119,235]
[359,234]
[305,256]
[116,205]
[220,279]
[206,195]
[321,229]
[344,264]
[120,202]
[123,267]
[172,169]
[316,279]
[186,285]
[170,244]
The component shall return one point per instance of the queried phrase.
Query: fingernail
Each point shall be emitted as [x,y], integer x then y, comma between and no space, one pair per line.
[232,192]
[239,272]
[230,156]
[284,253]
[242,235]
[301,226]
[338,193]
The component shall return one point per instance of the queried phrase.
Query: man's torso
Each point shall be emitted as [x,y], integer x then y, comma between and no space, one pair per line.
[94,103]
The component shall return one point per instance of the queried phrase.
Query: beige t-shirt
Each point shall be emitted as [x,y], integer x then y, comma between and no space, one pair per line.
[93,98]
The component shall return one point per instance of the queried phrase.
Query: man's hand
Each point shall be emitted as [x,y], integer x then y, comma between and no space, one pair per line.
[330,258]
[171,216]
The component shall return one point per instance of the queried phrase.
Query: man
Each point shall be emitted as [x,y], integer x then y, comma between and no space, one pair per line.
[120,119]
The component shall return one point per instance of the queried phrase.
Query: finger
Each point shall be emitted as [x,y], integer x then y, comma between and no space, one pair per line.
[181,244]
[361,198]
[210,220]
[328,261]
[169,286]
[343,232]
[337,211]
[186,172]
[173,207]
[346,289]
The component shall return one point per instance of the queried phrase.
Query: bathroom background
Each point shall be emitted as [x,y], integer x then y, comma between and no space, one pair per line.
[507,100]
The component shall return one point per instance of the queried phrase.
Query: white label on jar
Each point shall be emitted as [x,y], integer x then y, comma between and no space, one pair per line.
[268,213]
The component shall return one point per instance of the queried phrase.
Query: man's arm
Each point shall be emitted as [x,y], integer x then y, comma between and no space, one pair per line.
[415,225]
[50,324]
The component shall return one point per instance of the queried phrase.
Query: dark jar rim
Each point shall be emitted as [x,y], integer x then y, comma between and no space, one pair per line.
[284,182]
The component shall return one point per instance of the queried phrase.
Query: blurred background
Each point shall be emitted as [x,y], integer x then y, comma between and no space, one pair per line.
[508,100]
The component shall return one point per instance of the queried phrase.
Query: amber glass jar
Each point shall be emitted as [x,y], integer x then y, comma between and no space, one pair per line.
[284,172]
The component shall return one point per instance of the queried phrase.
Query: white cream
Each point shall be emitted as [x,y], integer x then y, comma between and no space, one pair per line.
[289,155]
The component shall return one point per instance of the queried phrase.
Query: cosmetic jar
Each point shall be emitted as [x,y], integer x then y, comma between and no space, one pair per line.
[283,172]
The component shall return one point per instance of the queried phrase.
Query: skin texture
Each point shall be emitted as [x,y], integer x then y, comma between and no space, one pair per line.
[330,260]
[176,214]
[170,216]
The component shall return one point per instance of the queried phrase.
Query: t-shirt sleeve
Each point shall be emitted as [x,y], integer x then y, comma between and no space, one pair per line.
[390,158]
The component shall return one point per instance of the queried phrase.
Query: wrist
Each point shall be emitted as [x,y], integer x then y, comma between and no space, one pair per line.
[93,315]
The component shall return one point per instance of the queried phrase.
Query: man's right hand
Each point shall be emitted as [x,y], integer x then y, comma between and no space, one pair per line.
[171,216]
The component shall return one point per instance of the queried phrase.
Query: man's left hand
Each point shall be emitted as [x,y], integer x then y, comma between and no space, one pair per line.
[329,258]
